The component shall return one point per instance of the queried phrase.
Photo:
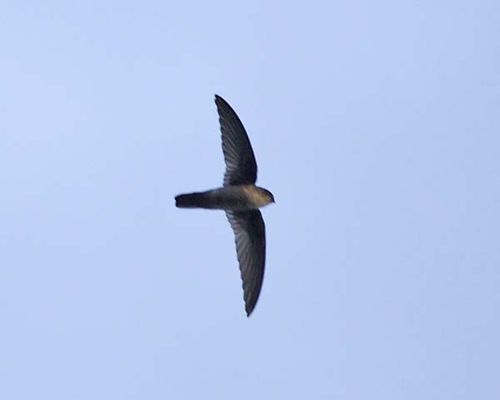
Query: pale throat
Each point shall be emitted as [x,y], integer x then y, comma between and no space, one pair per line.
[256,196]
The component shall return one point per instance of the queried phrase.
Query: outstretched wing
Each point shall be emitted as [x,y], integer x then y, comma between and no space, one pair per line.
[250,237]
[241,167]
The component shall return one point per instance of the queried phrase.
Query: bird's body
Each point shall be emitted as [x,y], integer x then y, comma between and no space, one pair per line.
[228,198]
[240,198]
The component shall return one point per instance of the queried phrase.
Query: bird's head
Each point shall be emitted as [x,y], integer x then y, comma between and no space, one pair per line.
[268,196]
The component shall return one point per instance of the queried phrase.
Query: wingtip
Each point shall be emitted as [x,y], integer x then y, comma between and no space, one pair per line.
[249,309]
[219,101]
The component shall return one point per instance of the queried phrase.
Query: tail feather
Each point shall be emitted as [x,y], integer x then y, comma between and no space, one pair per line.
[191,200]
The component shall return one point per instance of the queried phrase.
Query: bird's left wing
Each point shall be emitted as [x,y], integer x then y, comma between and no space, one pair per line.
[250,237]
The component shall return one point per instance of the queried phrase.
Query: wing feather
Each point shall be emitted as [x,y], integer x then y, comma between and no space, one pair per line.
[250,239]
[241,167]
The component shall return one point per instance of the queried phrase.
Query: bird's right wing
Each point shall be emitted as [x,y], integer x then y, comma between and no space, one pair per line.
[250,237]
[241,168]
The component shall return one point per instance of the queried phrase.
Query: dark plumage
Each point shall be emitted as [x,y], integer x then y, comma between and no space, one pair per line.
[240,199]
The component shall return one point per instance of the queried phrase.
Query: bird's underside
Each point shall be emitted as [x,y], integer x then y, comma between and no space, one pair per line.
[228,198]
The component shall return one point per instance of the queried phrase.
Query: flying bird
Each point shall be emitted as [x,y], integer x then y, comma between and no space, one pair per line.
[241,199]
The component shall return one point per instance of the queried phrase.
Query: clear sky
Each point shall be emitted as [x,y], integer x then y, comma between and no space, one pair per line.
[375,124]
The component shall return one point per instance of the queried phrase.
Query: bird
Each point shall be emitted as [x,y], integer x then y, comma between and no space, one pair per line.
[241,199]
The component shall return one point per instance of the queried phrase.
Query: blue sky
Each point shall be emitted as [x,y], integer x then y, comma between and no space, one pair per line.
[376,126]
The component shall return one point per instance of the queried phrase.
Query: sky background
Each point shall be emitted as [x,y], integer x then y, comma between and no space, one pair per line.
[375,124]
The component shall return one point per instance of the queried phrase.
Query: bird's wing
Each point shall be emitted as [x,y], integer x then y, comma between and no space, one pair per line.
[250,237]
[241,167]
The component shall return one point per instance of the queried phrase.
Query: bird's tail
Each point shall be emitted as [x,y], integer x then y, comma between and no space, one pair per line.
[192,200]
